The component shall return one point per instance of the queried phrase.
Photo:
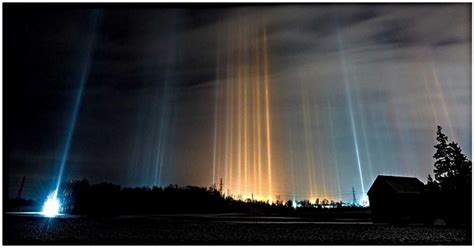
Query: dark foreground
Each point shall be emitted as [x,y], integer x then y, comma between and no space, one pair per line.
[219,229]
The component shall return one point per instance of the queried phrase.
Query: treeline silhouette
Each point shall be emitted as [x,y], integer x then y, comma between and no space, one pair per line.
[80,197]
[107,199]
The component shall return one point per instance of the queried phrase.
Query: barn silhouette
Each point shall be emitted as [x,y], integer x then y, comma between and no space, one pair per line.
[395,199]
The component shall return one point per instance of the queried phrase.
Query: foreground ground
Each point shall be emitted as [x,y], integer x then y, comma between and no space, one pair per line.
[218,229]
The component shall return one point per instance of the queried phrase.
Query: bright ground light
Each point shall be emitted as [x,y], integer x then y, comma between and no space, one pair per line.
[51,206]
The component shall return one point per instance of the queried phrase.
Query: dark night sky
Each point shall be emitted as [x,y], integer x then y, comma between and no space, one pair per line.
[399,69]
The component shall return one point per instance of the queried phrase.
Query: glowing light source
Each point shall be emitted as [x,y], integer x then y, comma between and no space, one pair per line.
[364,202]
[51,206]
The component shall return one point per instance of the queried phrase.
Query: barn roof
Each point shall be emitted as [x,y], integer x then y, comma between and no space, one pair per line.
[402,185]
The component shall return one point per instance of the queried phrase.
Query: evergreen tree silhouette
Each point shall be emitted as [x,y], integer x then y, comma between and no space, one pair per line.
[451,187]
[452,168]
[443,163]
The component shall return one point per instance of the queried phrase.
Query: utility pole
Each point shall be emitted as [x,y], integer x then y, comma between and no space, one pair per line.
[221,185]
[20,192]
[353,196]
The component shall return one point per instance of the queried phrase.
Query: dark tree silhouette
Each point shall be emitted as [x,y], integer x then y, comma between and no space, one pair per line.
[451,187]
[443,159]
[432,185]
[452,168]
[462,168]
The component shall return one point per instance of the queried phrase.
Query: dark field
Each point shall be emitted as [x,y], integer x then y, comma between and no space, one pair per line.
[219,229]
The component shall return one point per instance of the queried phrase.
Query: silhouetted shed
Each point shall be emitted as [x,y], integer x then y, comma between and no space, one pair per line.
[396,199]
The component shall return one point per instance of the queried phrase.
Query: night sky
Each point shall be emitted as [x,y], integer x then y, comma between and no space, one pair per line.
[296,101]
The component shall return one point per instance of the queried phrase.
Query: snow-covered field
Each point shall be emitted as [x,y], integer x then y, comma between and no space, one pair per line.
[218,229]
